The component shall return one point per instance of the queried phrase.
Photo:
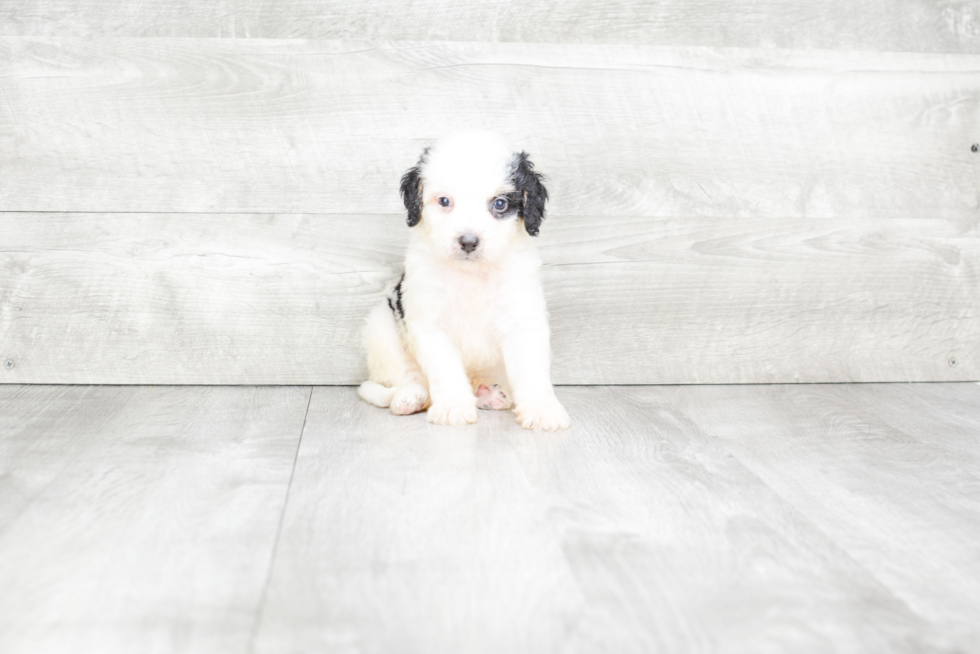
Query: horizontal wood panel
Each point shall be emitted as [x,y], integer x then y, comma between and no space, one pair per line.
[230,125]
[279,299]
[891,25]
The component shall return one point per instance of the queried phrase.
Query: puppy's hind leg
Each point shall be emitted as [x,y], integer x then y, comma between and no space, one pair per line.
[376,394]
[490,395]
[396,381]
[409,398]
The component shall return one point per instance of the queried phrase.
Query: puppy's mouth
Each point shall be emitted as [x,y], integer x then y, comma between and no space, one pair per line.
[476,255]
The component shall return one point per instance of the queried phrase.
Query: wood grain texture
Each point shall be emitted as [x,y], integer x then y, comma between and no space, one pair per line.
[635,531]
[238,125]
[140,519]
[882,490]
[891,25]
[942,415]
[279,299]
[668,519]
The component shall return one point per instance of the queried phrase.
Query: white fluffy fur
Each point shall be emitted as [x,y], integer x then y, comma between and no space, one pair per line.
[475,329]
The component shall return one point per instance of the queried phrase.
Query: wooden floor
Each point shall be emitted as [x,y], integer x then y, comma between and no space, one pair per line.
[807,518]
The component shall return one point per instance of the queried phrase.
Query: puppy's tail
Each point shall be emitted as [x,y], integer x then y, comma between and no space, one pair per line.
[376,394]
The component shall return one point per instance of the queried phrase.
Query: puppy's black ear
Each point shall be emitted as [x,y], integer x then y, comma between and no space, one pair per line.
[412,195]
[533,193]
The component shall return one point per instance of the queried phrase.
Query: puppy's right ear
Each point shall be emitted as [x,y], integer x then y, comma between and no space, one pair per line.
[412,195]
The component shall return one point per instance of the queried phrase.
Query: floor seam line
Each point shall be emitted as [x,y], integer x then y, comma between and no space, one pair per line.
[260,609]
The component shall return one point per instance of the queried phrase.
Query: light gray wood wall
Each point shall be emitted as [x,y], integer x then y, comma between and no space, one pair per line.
[249,299]
[196,210]
[895,25]
[311,126]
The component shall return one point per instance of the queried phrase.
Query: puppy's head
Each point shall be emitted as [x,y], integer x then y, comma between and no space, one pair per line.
[473,195]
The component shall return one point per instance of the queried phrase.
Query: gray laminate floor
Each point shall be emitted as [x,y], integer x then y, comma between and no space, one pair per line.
[668,519]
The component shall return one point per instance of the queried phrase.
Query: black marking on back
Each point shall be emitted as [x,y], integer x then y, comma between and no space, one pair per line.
[398,299]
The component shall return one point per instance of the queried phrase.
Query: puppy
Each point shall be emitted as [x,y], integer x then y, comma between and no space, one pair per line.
[466,325]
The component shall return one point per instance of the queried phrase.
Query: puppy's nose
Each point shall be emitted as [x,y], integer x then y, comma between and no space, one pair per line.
[468,242]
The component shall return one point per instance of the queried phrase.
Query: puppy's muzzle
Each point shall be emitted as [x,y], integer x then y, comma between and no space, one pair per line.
[469,242]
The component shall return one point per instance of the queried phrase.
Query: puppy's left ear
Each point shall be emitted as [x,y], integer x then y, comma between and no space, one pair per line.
[532,191]
[411,190]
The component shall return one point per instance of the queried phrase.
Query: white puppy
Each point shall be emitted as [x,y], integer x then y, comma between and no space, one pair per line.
[467,326]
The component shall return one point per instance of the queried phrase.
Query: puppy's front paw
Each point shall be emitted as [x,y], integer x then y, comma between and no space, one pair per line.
[460,412]
[549,415]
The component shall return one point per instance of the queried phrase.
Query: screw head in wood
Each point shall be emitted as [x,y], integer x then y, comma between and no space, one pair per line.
[9,364]
[974,148]
[953,362]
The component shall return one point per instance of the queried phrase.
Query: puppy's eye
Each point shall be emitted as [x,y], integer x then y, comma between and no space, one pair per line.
[500,204]
[444,202]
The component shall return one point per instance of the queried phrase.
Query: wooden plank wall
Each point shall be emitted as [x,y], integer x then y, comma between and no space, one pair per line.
[742,192]
[883,25]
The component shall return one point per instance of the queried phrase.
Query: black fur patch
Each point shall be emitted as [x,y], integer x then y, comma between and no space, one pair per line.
[394,298]
[398,298]
[513,205]
[531,195]
[411,190]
